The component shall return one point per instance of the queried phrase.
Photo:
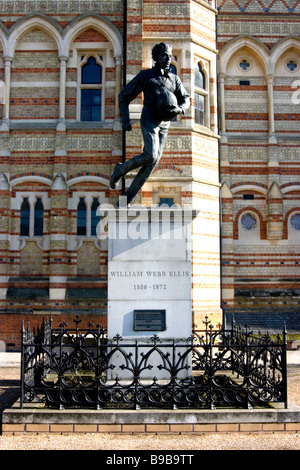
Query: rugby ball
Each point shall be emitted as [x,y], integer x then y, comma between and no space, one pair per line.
[166,102]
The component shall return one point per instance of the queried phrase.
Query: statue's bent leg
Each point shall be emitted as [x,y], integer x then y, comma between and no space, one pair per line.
[154,142]
[139,181]
[148,157]
[146,170]
[121,169]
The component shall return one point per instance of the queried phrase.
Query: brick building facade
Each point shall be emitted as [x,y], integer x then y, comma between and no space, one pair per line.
[237,148]
[61,69]
[259,154]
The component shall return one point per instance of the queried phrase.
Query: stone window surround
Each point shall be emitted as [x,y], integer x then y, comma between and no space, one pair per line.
[166,192]
[204,92]
[242,59]
[245,226]
[64,41]
[296,69]
[268,58]
[89,198]
[260,228]
[83,56]
[16,240]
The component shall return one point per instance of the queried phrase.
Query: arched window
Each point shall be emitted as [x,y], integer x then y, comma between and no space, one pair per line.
[295,221]
[249,226]
[87,213]
[201,95]
[38,218]
[25,218]
[91,72]
[95,218]
[81,217]
[91,91]
[199,77]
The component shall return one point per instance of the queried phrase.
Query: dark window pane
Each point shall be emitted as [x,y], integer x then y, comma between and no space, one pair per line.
[95,218]
[91,72]
[96,97]
[85,113]
[86,97]
[91,105]
[199,109]
[81,217]
[166,200]
[38,218]
[244,64]
[199,77]
[292,65]
[95,113]
[248,221]
[295,221]
[25,215]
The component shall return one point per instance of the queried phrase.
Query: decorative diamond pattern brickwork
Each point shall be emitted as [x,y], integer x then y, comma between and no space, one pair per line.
[260,6]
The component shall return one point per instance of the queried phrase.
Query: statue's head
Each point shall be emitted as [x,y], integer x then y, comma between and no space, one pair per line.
[162,53]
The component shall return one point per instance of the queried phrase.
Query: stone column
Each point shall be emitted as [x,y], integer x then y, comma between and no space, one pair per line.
[7,74]
[270,81]
[58,238]
[60,155]
[222,103]
[62,86]
[224,160]
[273,165]
[118,87]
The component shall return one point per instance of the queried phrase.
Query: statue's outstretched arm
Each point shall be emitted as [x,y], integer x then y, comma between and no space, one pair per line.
[128,94]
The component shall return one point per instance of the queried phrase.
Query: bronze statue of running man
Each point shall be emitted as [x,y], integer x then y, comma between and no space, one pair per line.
[164,99]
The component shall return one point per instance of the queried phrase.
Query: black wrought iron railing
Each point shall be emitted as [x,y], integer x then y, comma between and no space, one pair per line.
[83,368]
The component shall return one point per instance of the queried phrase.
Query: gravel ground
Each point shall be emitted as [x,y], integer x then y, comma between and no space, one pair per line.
[9,392]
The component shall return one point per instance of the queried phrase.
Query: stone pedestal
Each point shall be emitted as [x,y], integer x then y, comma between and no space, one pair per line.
[149,273]
[149,291]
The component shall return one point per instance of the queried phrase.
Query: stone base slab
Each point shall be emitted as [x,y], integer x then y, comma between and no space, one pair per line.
[37,421]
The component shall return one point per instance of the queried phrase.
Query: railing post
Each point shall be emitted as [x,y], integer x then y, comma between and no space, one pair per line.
[284,365]
[97,374]
[173,378]
[136,376]
[60,377]
[247,374]
[22,364]
[210,377]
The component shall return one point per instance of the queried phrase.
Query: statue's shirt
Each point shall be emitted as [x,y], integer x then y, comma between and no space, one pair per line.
[152,82]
